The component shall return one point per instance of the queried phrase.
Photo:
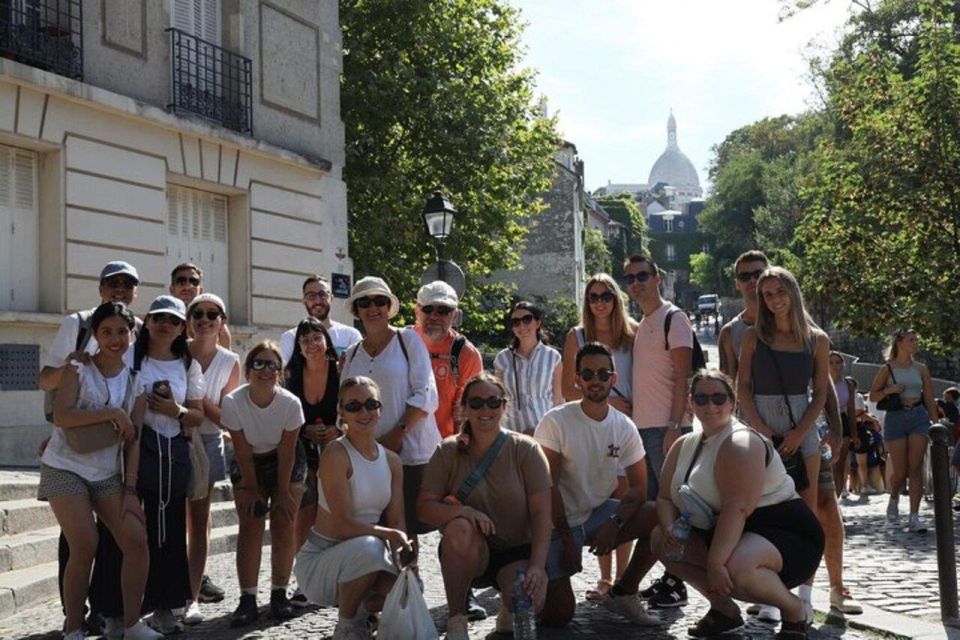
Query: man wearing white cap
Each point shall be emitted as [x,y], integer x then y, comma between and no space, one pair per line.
[316,300]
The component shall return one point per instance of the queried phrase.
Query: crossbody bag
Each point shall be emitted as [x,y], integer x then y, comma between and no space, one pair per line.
[794,464]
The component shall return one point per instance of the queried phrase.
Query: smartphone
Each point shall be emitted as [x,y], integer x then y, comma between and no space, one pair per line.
[162,388]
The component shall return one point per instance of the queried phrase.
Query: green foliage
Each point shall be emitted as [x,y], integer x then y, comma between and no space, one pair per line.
[705,272]
[559,314]
[596,253]
[433,96]
[625,210]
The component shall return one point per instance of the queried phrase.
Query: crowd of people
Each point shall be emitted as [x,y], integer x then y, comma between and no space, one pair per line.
[354,443]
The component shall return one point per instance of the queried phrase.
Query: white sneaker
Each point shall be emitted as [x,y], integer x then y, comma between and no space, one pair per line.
[457,628]
[350,630]
[768,614]
[916,524]
[141,631]
[842,601]
[76,634]
[893,510]
[631,608]
[113,628]
[192,615]
[165,622]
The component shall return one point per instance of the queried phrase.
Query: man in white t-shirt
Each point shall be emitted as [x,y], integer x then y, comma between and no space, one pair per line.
[587,443]
[316,300]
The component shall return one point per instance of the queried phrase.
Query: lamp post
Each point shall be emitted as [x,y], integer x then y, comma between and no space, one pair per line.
[438,216]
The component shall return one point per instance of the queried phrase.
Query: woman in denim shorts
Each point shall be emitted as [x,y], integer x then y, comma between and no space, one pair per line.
[905,429]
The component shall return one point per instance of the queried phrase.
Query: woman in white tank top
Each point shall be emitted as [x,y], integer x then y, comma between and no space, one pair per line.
[347,554]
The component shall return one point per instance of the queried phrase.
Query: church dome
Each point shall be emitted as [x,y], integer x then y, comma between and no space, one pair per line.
[673,167]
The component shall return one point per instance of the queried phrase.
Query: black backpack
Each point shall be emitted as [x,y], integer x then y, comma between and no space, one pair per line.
[697,359]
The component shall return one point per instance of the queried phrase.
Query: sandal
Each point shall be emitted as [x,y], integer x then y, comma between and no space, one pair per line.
[600,591]
[792,630]
[714,623]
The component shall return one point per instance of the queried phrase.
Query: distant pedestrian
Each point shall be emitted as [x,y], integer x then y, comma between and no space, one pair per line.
[905,428]
[529,369]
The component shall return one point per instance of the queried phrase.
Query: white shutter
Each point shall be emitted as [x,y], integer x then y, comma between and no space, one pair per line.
[200,18]
[182,15]
[19,230]
[197,233]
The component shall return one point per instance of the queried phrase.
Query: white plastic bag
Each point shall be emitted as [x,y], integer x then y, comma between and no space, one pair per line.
[405,614]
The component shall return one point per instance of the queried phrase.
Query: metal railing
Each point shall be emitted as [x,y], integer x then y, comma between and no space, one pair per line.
[47,34]
[211,82]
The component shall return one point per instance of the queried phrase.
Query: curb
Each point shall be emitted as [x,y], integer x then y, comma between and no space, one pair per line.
[885,622]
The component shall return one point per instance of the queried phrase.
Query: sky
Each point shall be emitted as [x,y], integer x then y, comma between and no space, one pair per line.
[612,70]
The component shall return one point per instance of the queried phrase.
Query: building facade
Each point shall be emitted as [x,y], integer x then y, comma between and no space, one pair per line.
[203,131]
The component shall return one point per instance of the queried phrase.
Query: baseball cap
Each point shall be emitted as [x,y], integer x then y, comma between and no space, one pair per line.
[437,292]
[212,298]
[168,304]
[118,267]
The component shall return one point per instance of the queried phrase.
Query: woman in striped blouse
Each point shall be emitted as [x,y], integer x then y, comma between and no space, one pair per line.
[530,370]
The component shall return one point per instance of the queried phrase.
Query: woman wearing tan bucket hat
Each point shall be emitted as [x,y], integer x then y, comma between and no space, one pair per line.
[398,361]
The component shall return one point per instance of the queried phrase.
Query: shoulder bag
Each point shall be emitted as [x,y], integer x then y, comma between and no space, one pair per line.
[477,474]
[891,402]
[100,435]
[794,464]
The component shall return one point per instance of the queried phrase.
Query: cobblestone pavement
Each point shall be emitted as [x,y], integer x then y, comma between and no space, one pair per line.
[886,566]
[42,622]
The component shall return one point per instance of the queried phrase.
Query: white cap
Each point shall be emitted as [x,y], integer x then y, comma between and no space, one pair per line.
[438,292]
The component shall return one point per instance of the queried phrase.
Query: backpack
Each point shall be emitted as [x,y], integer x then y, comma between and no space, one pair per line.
[697,358]
[84,333]
[454,356]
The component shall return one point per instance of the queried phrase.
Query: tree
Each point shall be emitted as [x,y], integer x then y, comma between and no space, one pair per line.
[433,96]
[596,253]
[634,236]
[705,273]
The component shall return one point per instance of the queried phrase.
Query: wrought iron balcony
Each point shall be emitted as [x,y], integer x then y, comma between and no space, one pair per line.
[47,34]
[211,82]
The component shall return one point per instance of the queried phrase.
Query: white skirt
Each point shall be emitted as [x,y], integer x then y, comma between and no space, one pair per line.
[322,565]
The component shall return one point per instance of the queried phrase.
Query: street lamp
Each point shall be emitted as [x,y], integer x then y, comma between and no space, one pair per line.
[438,218]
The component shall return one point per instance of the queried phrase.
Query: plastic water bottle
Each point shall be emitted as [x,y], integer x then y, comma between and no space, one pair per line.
[680,530]
[524,623]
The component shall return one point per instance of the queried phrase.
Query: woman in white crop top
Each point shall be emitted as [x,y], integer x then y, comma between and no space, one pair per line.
[347,554]
[753,537]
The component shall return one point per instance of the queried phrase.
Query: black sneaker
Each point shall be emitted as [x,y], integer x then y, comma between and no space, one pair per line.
[475,610]
[652,590]
[246,612]
[299,599]
[280,608]
[672,593]
[209,592]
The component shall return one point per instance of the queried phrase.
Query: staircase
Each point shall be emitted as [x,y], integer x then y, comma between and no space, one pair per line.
[29,537]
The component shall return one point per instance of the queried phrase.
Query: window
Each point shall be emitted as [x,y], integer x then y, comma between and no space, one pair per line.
[19,230]
[671,253]
[197,233]
[680,224]
[706,248]
[668,225]
[200,18]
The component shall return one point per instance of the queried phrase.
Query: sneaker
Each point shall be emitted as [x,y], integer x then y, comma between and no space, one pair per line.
[841,601]
[475,610]
[141,631]
[792,631]
[504,621]
[246,612]
[766,613]
[457,628]
[893,510]
[165,622]
[714,624]
[349,630]
[631,608]
[298,599]
[672,593]
[916,524]
[653,589]
[280,608]
[76,634]
[113,628]
[93,624]
[192,615]
[209,592]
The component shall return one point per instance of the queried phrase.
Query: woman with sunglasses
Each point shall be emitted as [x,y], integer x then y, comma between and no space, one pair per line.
[753,538]
[313,377]
[604,319]
[170,403]
[499,527]
[905,428]
[79,485]
[346,561]
[398,361]
[206,317]
[267,473]
[529,369]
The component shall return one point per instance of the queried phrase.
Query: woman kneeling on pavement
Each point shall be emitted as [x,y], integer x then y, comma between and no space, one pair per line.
[102,481]
[754,537]
[268,470]
[491,528]
[346,560]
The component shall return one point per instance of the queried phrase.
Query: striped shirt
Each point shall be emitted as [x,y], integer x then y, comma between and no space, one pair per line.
[532,379]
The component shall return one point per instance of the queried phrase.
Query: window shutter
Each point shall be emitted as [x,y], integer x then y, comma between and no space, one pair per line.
[173,211]
[219,219]
[183,15]
[209,20]
[19,230]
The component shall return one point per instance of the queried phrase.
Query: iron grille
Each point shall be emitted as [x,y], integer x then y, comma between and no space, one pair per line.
[210,82]
[47,34]
[19,364]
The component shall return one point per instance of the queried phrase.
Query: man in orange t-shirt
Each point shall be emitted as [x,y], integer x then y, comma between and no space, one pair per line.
[455,360]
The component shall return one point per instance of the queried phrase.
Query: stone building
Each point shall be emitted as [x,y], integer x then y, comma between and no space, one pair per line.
[157,133]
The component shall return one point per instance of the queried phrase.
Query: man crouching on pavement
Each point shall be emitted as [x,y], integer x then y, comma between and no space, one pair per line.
[586,442]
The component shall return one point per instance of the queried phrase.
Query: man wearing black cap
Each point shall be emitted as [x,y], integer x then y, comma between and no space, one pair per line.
[75,341]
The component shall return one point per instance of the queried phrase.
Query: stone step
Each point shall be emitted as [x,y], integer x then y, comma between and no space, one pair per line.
[29,586]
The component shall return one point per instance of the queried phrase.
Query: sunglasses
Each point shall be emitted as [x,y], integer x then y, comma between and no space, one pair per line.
[198,314]
[168,318]
[192,281]
[701,399]
[643,276]
[494,402]
[747,276]
[606,296]
[602,374]
[119,283]
[380,301]
[516,322]
[370,404]
[438,309]
[260,365]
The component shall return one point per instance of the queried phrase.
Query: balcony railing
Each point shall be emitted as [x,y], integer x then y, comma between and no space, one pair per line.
[47,34]
[211,82]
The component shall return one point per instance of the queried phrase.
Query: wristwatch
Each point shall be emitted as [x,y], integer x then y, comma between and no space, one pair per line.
[617,520]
